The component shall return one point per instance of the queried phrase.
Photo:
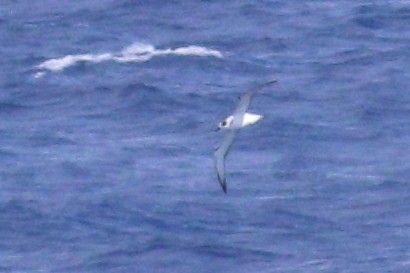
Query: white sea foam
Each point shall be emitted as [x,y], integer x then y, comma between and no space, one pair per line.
[136,52]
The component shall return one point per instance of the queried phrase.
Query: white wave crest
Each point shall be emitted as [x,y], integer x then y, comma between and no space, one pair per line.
[61,63]
[136,52]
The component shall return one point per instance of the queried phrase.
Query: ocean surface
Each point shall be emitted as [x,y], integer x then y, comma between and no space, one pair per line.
[107,118]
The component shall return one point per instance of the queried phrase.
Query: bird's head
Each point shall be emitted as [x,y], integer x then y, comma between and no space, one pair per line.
[225,124]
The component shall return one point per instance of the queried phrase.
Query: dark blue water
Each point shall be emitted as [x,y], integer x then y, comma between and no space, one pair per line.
[106,143]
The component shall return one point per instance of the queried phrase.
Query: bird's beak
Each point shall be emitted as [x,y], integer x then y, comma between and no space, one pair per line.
[217,129]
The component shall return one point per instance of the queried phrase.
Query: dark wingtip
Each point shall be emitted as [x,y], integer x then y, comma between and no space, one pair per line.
[269,82]
[224,188]
[261,86]
[223,184]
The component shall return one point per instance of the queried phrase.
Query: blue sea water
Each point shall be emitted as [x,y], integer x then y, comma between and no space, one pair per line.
[107,113]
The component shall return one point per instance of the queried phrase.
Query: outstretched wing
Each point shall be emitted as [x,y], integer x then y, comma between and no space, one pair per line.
[244,102]
[220,155]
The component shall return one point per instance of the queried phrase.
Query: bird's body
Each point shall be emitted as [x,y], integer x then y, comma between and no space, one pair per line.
[231,125]
[248,119]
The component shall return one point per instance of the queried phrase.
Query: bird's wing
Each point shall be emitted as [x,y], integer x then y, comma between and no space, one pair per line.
[220,155]
[244,102]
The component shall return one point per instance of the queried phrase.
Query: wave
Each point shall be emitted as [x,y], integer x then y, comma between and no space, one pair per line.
[136,52]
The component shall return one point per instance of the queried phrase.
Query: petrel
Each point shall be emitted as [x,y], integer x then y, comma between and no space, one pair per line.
[231,125]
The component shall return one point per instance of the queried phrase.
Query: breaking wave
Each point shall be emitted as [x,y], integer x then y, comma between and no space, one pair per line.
[136,52]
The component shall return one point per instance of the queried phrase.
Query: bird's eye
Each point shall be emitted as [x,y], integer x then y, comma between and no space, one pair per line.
[223,123]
